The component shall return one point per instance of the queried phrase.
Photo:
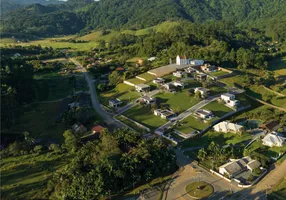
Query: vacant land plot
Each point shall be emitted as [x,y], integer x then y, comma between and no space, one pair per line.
[219,73]
[135,81]
[26,177]
[147,77]
[179,102]
[167,69]
[218,109]
[144,116]
[190,123]
[130,123]
[231,81]
[39,120]
[122,91]
[217,90]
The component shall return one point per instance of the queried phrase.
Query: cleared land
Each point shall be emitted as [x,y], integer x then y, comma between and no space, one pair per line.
[190,123]
[135,81]
[147,77]
[145,117]
[130,124]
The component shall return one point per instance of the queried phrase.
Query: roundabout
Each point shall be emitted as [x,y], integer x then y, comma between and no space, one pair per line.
[199,190]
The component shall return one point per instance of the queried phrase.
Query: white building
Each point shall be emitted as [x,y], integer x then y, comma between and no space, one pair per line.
[115,103]
[182,60]
[190,70]
[228,127]
[229,99]
[178,84]
[147,99]
[178,74]
[273,139]
[197,62]
[142,88]
[165,114]
[158,81]
[151,59]
[203,91]
[204,114]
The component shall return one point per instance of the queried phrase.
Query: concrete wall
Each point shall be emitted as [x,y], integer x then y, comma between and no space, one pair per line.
[128,83]
[143,79]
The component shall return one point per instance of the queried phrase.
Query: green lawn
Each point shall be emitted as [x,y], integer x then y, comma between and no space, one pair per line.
[130,124]
[220,138]
[144,116]
[230,81]
[147,77]
[179,101]
[194,191]
[26,177]
[39,121]
[218,73]
[217,90]
[190,123]
[269,151]
[135,81]
[122,91]
[218,109]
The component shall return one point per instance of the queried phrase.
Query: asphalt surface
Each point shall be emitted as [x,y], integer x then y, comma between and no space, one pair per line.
[108,119]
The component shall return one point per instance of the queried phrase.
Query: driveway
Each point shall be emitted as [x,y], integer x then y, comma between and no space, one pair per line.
[108,119]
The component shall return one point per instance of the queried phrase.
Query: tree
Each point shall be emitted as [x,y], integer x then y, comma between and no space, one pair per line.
[202,154]
[38,149]
[115,78]
[73,83]
[70,142]
[197,95]
[101,44]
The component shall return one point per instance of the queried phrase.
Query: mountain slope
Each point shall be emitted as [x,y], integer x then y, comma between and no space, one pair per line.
[87,15]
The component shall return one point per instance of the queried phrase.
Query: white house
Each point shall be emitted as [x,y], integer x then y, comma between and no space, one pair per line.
[178,74]
[228,127]
[182,60]
[204,114]
[158,81]
[164,114]
[142,88]
[208,68]
[201,77]
[190,70]
[169,86]
[178,84]
[229,99]
[147,99]
[114,103]
[236,166]
[197,62]
[202,91]
[273,139]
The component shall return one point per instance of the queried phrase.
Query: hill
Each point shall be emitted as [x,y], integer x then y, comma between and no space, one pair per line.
[82,16]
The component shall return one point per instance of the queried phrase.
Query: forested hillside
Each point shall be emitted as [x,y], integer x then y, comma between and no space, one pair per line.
[85,15]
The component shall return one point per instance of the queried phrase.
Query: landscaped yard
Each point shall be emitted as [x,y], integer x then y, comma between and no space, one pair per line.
[219,73]
[279,191]
[218,109]
[217,90]
[135,81]
[220,138]
[145,117]
[39,121]
[190,123]
[179,101]
[122,91]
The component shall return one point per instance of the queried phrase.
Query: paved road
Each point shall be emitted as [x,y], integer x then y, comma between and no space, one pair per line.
[108,119]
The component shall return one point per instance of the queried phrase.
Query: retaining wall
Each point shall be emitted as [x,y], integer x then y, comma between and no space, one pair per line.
[143,79]
[128,83]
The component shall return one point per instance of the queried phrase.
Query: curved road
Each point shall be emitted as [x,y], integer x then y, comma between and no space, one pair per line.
[108,119]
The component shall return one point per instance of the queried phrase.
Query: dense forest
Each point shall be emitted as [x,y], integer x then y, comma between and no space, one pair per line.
[75,16]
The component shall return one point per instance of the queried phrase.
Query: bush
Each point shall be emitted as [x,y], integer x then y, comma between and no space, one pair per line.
[38,148]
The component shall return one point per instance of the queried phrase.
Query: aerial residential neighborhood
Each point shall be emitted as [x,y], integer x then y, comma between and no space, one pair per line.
[144,100]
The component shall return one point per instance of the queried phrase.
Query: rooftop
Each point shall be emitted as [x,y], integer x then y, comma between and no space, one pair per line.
[97,129]
[204,112]
[228,95]
[142,85]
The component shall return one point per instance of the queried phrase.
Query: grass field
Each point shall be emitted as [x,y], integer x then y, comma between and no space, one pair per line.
[278,66]
[217,90]
[124,92]
[179,101]
[190,123]
[144,116]
[61,60]
[130,124]
[260,92]
[26,177]
[218,109]
[135,81]
[230,81]
[219,73]
[269,151]
[220,138]
[39,121]
[147,77]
